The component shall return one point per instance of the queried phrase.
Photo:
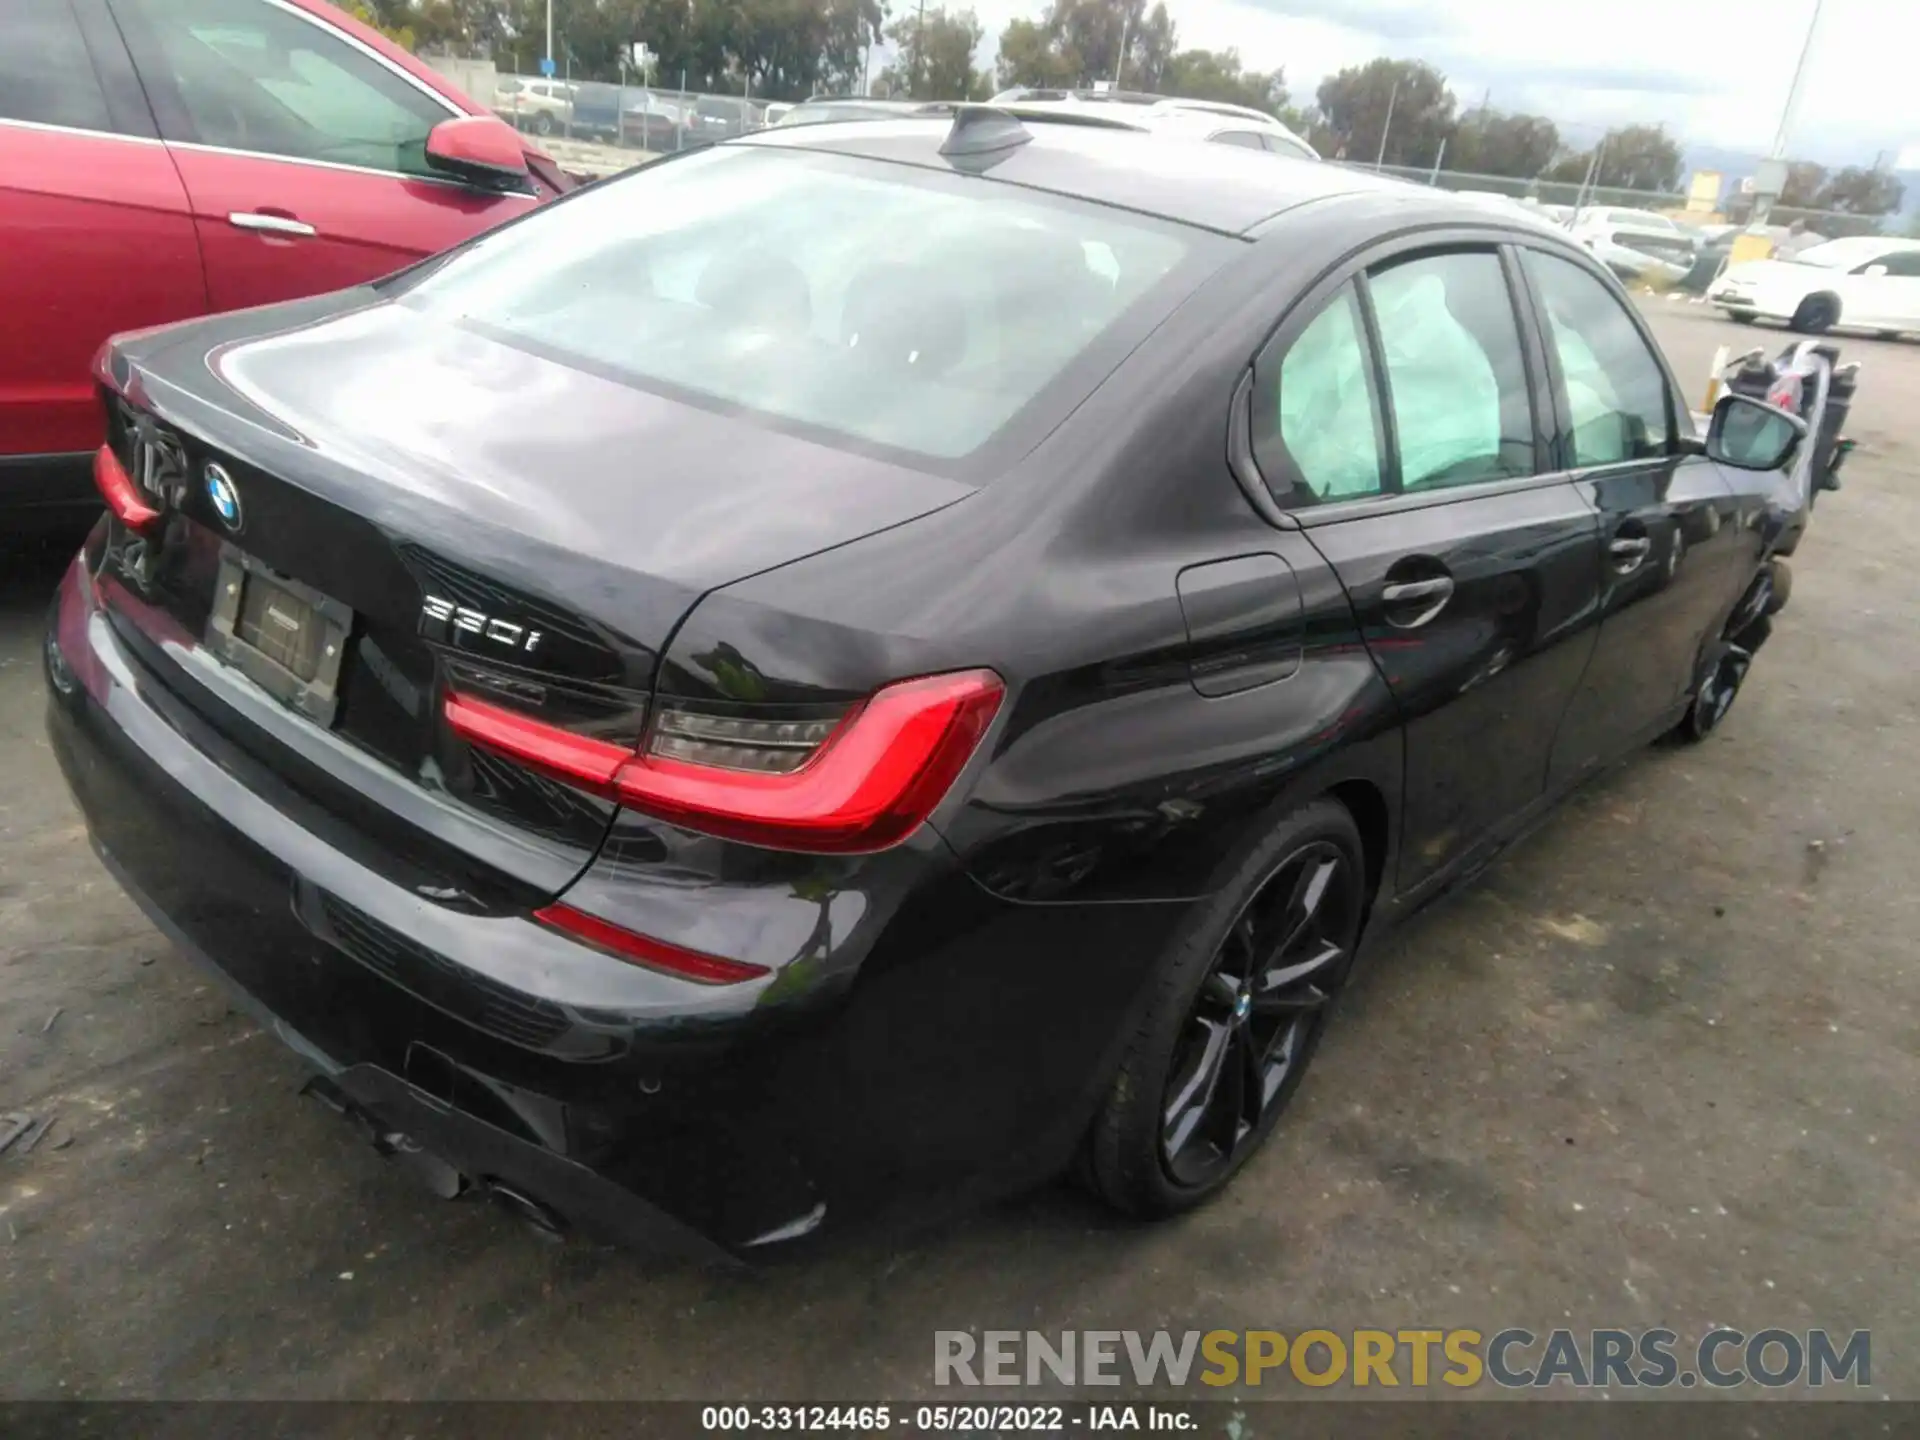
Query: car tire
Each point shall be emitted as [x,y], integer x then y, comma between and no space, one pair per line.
[1741,317]
[1240,1002]
[543,124]
[1815,315]
[1887,334]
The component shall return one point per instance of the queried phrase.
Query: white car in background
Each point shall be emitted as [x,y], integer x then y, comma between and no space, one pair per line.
[1636,244]
[1867,281]
[1215,122]
[542,106]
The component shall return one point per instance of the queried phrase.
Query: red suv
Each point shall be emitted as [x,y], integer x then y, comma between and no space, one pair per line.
[160,159]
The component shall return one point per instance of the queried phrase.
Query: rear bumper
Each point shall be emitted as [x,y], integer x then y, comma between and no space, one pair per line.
[402,1117]
[919,1067]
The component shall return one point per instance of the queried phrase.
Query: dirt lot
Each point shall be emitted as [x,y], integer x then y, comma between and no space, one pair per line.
[1658,1068]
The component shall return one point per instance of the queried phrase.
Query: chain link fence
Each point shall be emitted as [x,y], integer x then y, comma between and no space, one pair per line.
[642,118]
[1734,209]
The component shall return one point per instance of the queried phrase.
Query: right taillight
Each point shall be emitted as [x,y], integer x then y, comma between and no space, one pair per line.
[859,783]
[123,497]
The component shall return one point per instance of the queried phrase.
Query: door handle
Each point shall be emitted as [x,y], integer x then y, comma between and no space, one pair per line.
[1426,597]
[270,224]
[1629,551]
[1407,591]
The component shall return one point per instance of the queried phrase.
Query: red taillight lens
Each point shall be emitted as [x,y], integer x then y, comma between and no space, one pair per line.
[116,487]
[877,775]
[576,759]
[645,950]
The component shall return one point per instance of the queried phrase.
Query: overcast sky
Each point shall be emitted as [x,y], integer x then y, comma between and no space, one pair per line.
[1716,71]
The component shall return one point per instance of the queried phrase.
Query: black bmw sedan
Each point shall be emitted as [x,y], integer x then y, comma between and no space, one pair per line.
[858,669]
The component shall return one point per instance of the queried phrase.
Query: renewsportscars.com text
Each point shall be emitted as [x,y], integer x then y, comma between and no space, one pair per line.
[1512,1359]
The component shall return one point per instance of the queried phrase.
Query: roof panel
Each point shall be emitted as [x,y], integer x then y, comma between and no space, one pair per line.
[1220,187]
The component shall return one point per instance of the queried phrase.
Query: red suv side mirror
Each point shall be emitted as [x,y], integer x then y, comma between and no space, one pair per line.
[480,150]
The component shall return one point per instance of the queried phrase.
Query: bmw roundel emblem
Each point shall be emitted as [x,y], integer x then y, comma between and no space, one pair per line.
[224,496]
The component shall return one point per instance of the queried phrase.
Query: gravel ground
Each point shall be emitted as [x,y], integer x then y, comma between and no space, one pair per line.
[1657,1068]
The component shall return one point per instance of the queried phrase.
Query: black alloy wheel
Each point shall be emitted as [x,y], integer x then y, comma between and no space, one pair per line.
[1258,1010]
[1243,999]
[1717,690]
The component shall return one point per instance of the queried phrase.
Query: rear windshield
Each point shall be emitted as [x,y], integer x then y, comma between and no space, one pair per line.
[899,307]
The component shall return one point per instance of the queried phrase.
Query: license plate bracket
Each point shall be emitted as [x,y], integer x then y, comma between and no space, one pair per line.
[286,637]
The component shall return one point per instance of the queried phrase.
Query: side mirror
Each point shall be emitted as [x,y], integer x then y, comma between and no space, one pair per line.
[480,150]
[1874,270]
[1750,434]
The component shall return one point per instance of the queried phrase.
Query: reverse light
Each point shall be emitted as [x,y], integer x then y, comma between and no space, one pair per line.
[766,746]
[116,487]
[862,783]
[646,951]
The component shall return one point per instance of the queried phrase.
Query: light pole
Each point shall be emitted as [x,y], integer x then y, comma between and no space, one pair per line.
[549,51]
[1792,107]
[1771,181]
[1126,23]
[919,54]
[1393,97]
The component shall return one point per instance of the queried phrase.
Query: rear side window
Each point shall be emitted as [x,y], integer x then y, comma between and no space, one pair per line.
[1456,372]
[1319,425]
[916,311]
[1616,390]
[1902,263]
[251,76]
[1246,139]
[45,73]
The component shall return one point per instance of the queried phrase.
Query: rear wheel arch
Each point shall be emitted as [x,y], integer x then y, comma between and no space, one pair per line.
[1368,805]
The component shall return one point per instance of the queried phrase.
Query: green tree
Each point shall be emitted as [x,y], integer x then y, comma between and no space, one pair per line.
[1632,157]
[1856,190]
[1028,56]
[1488,142]
[1078,42]
[1217,75]
[388,20]
[1407,101]
[934,57]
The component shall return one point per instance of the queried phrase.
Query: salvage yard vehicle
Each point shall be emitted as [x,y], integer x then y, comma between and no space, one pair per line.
[1638,244]
[161,159]
[1869,282]
[872,664]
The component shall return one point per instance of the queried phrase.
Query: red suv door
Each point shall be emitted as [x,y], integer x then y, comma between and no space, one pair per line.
[303,149]
[95,237]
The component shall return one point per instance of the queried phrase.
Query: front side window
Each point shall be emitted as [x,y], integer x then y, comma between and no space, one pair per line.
[916,311]
[1616,390]
[252,76]
[1456,372]
[46,75]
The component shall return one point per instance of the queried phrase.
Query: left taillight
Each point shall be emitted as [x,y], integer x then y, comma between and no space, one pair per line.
[123,497]
[858,783]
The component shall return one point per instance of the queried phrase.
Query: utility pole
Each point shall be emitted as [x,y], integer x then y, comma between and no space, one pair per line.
[549,49]
[1773,182]
[919,53]
[1393,97]
[1792,107]
[1126,22]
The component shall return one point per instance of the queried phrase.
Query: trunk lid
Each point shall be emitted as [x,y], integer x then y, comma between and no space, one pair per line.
[443,510]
